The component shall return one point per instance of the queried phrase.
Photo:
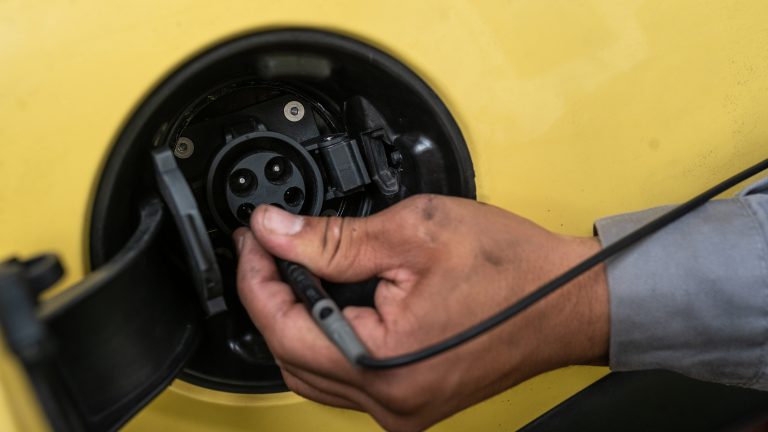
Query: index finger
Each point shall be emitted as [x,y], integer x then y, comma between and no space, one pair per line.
[290,332]
[261,291]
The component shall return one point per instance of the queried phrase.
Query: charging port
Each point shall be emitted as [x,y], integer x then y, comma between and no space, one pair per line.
[312,122]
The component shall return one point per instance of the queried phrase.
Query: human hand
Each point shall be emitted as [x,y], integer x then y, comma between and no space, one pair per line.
[445,264]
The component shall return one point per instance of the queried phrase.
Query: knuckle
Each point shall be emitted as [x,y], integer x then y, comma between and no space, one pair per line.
[415,206]
[340,245]
[247,274]
[333,238]
[426,215]
[247,278]
[327,224]
[428,206]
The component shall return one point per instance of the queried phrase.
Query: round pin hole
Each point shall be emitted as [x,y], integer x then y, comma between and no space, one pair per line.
[293,196]
[244,212]
[242,181]
[278,170]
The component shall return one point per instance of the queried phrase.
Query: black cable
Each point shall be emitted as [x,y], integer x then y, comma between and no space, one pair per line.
[558,282]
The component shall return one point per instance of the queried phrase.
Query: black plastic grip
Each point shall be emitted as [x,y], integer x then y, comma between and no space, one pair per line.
[323,310]
[304,285]
[179,199]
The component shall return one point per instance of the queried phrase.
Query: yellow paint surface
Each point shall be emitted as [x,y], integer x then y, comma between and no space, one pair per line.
[573,110]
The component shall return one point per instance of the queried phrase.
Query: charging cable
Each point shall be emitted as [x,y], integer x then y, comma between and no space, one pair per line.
[534,297]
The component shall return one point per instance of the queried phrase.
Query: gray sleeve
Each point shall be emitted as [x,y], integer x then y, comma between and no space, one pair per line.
[693,298]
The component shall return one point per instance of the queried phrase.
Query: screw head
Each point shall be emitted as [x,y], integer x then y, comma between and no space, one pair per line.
[293,111]
[184,148]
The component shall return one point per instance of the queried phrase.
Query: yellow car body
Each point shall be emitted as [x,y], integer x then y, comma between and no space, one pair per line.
[572,110]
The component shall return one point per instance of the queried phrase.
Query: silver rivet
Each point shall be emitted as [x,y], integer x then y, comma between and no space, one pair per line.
[184,148]
[294,111]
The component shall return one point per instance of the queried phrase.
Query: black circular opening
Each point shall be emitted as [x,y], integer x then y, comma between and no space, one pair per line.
[244,212]
[293,196]
[278,170]
[325,72]
[242,181]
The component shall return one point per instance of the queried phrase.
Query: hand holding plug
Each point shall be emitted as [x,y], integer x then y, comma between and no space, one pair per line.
[445,264]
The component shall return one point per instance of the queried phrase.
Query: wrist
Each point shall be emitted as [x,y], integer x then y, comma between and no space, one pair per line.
[591,293]
[575,319]
[571,326]
[588,328]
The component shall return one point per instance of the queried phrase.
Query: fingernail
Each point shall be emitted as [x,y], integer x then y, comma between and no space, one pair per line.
[281,222]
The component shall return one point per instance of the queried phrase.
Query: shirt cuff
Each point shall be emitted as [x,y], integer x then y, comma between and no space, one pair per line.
[693,298]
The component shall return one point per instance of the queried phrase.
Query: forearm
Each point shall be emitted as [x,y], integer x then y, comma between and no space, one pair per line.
[694,297]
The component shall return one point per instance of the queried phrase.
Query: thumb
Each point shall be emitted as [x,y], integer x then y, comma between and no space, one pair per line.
[337,249]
